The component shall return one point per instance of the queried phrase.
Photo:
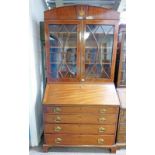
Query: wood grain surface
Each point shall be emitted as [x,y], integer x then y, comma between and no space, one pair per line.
[81,118]
[81,109]
[65,139]
[73,12]
[79,129]
[81,94]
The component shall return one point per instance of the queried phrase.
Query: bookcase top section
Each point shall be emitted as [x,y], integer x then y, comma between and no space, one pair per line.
[74,12]
[81,94]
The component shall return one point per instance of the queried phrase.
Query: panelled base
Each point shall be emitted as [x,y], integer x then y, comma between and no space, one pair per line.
[112,148]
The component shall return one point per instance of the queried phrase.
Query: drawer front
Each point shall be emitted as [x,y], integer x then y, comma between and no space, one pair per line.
[79,129]
[80,119]
[121,138]
[66,139]
[81,109]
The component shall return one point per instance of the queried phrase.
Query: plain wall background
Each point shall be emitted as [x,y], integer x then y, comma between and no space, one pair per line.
[36,11]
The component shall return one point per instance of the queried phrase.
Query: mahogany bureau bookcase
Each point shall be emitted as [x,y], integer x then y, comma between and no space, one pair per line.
[80,106]
[120,82]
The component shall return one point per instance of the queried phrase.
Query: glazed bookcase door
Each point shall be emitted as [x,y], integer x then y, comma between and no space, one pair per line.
[122,63]
[62,46]
[99,51]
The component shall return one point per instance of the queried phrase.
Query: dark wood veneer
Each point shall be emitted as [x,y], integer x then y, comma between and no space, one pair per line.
[72,13]
[81,112]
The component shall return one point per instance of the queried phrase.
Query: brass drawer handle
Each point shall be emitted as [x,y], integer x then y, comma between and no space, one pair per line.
[102,111]
[101,129]
[82,80]
[100,141]
[56,109]
[57,129]
[58,140]
[57,119]
[102,119]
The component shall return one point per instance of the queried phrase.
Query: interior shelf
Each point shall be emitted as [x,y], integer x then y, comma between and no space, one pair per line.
[68,63]
[61,47]
[98,63]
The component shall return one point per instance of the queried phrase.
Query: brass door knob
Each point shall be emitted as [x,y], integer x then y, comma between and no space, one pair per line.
[102,119]
[57,129]
[56,109]
[103,110]
[58,140]
[100,141]
[101,129]
[57,119]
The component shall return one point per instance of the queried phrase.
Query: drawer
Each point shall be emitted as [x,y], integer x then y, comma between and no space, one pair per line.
[80,119]
[79,129]
[121,138]
[67,139]
[81,109]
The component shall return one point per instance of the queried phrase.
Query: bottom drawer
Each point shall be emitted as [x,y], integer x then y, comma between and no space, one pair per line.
[67,139]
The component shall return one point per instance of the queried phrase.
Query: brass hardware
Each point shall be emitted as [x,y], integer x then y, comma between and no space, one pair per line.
[56,109]
[101,129]
[57,128]
[58,140]
[57,119]
[100,140]
[81,13]
[103,111]
[102,119]
[82,80]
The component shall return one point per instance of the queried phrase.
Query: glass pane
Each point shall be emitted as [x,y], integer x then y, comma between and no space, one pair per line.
[63,51]
[98,50]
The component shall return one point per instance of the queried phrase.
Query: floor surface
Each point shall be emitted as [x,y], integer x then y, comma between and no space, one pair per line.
[75,151]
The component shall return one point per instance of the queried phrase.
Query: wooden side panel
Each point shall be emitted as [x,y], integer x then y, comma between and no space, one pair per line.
[122,129]
[121,132]
[79,129]
[81,119]
[122,116]
[121,138]
[64,139]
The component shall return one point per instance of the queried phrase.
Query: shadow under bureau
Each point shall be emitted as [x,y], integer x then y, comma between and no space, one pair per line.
[80,115]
